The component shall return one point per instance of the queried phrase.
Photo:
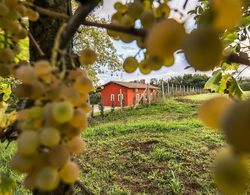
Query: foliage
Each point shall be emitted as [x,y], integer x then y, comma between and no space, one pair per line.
[101,108]
[245,85]
[95,98]
[194,80]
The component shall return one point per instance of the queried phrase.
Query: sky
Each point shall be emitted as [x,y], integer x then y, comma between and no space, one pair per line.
[131,49]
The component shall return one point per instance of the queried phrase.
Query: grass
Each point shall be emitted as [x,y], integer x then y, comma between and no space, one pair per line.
[162,149]
[205,96]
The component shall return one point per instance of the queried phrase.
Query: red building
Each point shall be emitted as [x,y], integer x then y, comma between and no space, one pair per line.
[129,92]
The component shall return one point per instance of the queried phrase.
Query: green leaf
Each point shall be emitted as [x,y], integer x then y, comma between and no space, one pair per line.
[245,21]
[7,184]
[235,89]
[223,83]
[227,67]
[5,89]
[214,82]
[230,38]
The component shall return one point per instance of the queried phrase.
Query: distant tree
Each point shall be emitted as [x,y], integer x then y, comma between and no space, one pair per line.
[153,81]
[195,80]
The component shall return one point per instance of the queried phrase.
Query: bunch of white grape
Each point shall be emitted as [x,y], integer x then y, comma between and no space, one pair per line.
[165,36]
[50,130]
[12,31]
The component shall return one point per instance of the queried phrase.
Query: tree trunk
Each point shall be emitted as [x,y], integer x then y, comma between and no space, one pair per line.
[45,29]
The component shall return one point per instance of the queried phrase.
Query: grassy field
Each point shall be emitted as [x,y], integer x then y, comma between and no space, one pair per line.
[161,149]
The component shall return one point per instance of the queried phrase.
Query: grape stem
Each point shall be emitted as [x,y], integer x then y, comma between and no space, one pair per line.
[33,41]
[118,28]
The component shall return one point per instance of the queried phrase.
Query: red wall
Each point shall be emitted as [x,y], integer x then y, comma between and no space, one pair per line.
[113,89]
[128,94]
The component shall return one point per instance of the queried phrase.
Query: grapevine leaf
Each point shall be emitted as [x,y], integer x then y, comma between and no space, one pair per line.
[214,82]
[235,89]
[230,38]
[223,83]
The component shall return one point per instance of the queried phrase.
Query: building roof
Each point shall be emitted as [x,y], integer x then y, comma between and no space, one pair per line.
[133,85]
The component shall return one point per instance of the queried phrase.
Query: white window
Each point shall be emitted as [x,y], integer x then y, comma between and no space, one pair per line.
[137,97]
[120,97]
[112,97]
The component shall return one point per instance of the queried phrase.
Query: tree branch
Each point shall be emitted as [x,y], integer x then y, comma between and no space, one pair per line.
[185,4]
[76,20]
[46,12]
[234,58]
[118,28]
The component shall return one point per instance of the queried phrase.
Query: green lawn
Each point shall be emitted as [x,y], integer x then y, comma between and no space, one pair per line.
[161,149]
[205,96]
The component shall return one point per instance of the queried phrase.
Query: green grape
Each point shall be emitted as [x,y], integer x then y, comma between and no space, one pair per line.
[130,65]
[26,74]
[69,173]
[6,55]
[50,136]
[4,10]
[22,163]
[32,15]
[23,91]
[165,38]
[120,7]
[135,9]
[236,126]
[211,111]
[231,174]
[21,34]
[147,19]
[162,10]
[225,19]
[79,119]
[42,67]
[68,131]
[87,57]
[62,112]
[169,61]
[144,67]
[71,95]
[47,179]
[76,145]
[37,90]
[58,156]
[141,43]
[116,18]
[11,3]
[13,26]
[126,20]
[30,180]
[203,49]
[155,62]
[28,142]
[4,70]
[22,10]
[85,107]
[126,38]
[83,85]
